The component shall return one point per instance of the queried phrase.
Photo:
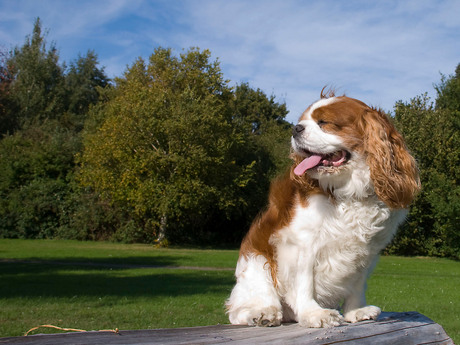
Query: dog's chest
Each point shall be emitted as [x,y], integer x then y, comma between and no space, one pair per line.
[331,242]
[324,221]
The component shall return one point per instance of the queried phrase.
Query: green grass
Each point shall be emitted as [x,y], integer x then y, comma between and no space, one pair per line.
[124,299]
[430,286]
[100,297]
[114,253]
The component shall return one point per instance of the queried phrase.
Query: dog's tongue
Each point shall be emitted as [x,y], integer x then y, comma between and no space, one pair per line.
[306,164]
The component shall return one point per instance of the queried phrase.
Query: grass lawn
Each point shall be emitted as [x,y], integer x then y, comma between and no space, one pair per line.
[430,286]
[114,253]
[100,297]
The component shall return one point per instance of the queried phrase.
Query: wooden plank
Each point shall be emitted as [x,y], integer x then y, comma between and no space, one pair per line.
[390,328]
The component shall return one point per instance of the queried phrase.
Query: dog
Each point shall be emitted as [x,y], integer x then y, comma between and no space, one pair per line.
[306,258]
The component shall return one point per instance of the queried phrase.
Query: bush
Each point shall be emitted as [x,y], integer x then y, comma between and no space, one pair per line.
[433,134]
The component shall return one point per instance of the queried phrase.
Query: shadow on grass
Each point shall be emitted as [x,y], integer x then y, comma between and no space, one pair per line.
[109,262]
[20,279]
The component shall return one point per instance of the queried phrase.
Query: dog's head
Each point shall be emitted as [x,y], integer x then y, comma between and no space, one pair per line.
[340,138]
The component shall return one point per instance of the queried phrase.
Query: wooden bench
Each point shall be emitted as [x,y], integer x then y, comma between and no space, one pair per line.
[390,328]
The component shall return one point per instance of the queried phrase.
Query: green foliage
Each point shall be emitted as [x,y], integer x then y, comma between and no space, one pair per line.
[433,134]
[38,80]
[41,124]
[449,92]
[172,152]
[35,88]
[263,120]
[36,166]
[7,122]
[83,83]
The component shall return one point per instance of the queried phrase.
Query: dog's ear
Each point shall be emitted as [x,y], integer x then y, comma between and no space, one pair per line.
[393,170]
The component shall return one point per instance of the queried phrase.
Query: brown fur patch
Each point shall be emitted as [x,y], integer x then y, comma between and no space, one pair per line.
[342,118]
[394,171]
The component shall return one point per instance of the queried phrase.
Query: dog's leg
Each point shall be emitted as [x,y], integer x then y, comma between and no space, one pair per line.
[355,308]
[254,300]
[309,312]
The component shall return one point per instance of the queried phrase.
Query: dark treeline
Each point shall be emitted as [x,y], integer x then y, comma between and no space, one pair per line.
[432,132]
[170,152]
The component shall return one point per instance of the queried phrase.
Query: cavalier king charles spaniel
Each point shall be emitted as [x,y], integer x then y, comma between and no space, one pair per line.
[307,257]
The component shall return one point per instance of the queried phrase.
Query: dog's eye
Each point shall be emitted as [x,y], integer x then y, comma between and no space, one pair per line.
[321,123]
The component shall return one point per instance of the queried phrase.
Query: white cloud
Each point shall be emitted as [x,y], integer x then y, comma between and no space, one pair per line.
[380,51]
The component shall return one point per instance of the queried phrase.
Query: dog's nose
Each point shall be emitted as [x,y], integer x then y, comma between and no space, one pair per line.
[297,130]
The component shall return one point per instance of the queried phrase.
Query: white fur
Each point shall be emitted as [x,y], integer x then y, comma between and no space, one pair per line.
[313,138]
[318,104]
[254,300]
[324,254]
[324,257]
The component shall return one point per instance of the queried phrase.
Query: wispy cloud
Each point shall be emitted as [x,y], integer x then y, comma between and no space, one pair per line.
[380,51]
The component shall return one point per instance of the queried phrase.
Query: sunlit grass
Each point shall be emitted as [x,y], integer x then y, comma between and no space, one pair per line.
[116,253]
[429,286]
[93,299]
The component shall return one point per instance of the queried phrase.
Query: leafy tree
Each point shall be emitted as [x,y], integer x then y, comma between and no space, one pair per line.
[83,82]
[433,134]
[165,150]
[37,80]
[42,124]
[170,150]
[449,92]
[254,110]
[37,165]
[7,122]
[263,119]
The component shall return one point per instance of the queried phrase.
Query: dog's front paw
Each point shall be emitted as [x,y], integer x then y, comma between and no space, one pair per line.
[265,317]
[318,318]
[257,316]
[369,312]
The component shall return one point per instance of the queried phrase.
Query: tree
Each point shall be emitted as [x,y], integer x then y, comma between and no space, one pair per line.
[166,149]
[83,82]
[263,119]
[254,110]
[170,152]
[42,111]
[37,166]
[37,80]
[7,122]
[433,134]
[449,92]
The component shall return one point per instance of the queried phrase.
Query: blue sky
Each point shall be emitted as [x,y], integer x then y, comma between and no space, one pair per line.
[377,51]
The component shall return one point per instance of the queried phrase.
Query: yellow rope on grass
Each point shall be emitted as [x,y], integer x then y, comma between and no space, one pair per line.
[69,329]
